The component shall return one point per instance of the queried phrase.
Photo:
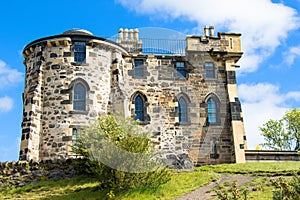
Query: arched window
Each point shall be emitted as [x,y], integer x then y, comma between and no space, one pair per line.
[182,110]
[79,97]
[139,108]
[211,111]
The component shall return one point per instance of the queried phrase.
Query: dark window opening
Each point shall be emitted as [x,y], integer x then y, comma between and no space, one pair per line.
[138,68]
[139,108]
[182,110]
[209,70]
[180,69]
[79,97]
[79,52]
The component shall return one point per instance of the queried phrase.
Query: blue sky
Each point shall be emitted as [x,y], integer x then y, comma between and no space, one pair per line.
[268,80]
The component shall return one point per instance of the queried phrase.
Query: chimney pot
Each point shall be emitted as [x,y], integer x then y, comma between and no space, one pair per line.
[211,31]
[125,34]
[206,33]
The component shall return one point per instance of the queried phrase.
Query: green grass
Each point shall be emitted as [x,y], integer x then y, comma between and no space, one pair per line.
[181,182]
[86,188]
[255,168]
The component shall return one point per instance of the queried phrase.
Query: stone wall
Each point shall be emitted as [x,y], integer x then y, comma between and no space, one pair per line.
[48,116]
[109,77]
[21,173]
[271,156]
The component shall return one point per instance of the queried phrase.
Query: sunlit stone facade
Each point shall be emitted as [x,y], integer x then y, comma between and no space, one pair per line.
[187,100]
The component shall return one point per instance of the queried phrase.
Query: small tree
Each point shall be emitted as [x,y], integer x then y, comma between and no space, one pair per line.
[120,154]
[283,134]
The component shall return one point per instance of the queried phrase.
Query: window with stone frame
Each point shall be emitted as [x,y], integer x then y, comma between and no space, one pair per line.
[210,70]
[139,108]
[79,52]
[180,69]
[74,135]
[140,103]
[213,116]
[138,68]
[79,97]
[182,110]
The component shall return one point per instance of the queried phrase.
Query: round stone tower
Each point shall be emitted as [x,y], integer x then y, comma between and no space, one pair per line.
[68,83]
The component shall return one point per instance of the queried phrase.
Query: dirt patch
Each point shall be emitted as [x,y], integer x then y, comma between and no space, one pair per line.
[203,192]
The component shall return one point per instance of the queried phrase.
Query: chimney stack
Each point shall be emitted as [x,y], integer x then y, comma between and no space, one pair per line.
[120,34]
[136,34]
[206,31]
[125,34]
[130,34]
[211,31]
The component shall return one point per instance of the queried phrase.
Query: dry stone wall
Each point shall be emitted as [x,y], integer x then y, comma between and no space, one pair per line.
[20,173]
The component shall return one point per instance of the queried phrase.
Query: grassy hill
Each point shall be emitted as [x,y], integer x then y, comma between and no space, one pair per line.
[84,187]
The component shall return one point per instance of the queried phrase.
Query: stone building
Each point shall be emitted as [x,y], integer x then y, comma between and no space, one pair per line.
[185,93]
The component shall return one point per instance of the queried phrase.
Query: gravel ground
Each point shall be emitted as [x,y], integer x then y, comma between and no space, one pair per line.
[203,192]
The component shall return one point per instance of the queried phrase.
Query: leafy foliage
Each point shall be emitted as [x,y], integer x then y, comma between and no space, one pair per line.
[120,154]
[286,189]
[231,191]
[283,134]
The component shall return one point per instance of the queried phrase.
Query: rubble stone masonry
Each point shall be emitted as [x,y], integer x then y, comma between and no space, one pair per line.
[176,101]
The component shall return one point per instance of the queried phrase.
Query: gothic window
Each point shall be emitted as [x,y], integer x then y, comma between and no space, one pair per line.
[138,68]
[180,69]
[182,110]
[79,97]
[211,111]
[209,70]
[139,108]
[79,52]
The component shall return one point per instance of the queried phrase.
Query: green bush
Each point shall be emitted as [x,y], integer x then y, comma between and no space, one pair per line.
[286,189]
[231,191]
[120,154]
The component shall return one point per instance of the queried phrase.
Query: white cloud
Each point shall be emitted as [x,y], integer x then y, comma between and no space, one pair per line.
[263,24]
[262,102]
[9,76]
[291,55]
[6,104]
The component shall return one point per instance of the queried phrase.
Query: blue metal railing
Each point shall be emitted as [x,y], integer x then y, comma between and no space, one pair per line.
[155,46]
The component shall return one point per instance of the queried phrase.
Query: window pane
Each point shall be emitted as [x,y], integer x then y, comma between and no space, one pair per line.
[139,109]
[180,69]
[211,111]
[79,52]
[209,70]
[138,68]
[79,97]
[182,110]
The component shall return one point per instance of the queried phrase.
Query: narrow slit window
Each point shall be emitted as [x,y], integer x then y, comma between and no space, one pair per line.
[182,110]
[74,135]
[211,111]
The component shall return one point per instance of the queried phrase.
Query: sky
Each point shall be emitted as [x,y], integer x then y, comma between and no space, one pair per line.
[269,74]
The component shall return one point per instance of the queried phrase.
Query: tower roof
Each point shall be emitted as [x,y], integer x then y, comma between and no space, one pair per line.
[77,31]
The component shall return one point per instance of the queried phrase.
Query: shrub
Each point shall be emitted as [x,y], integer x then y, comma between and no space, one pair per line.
[120,154]
[230,191]
[286,189]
